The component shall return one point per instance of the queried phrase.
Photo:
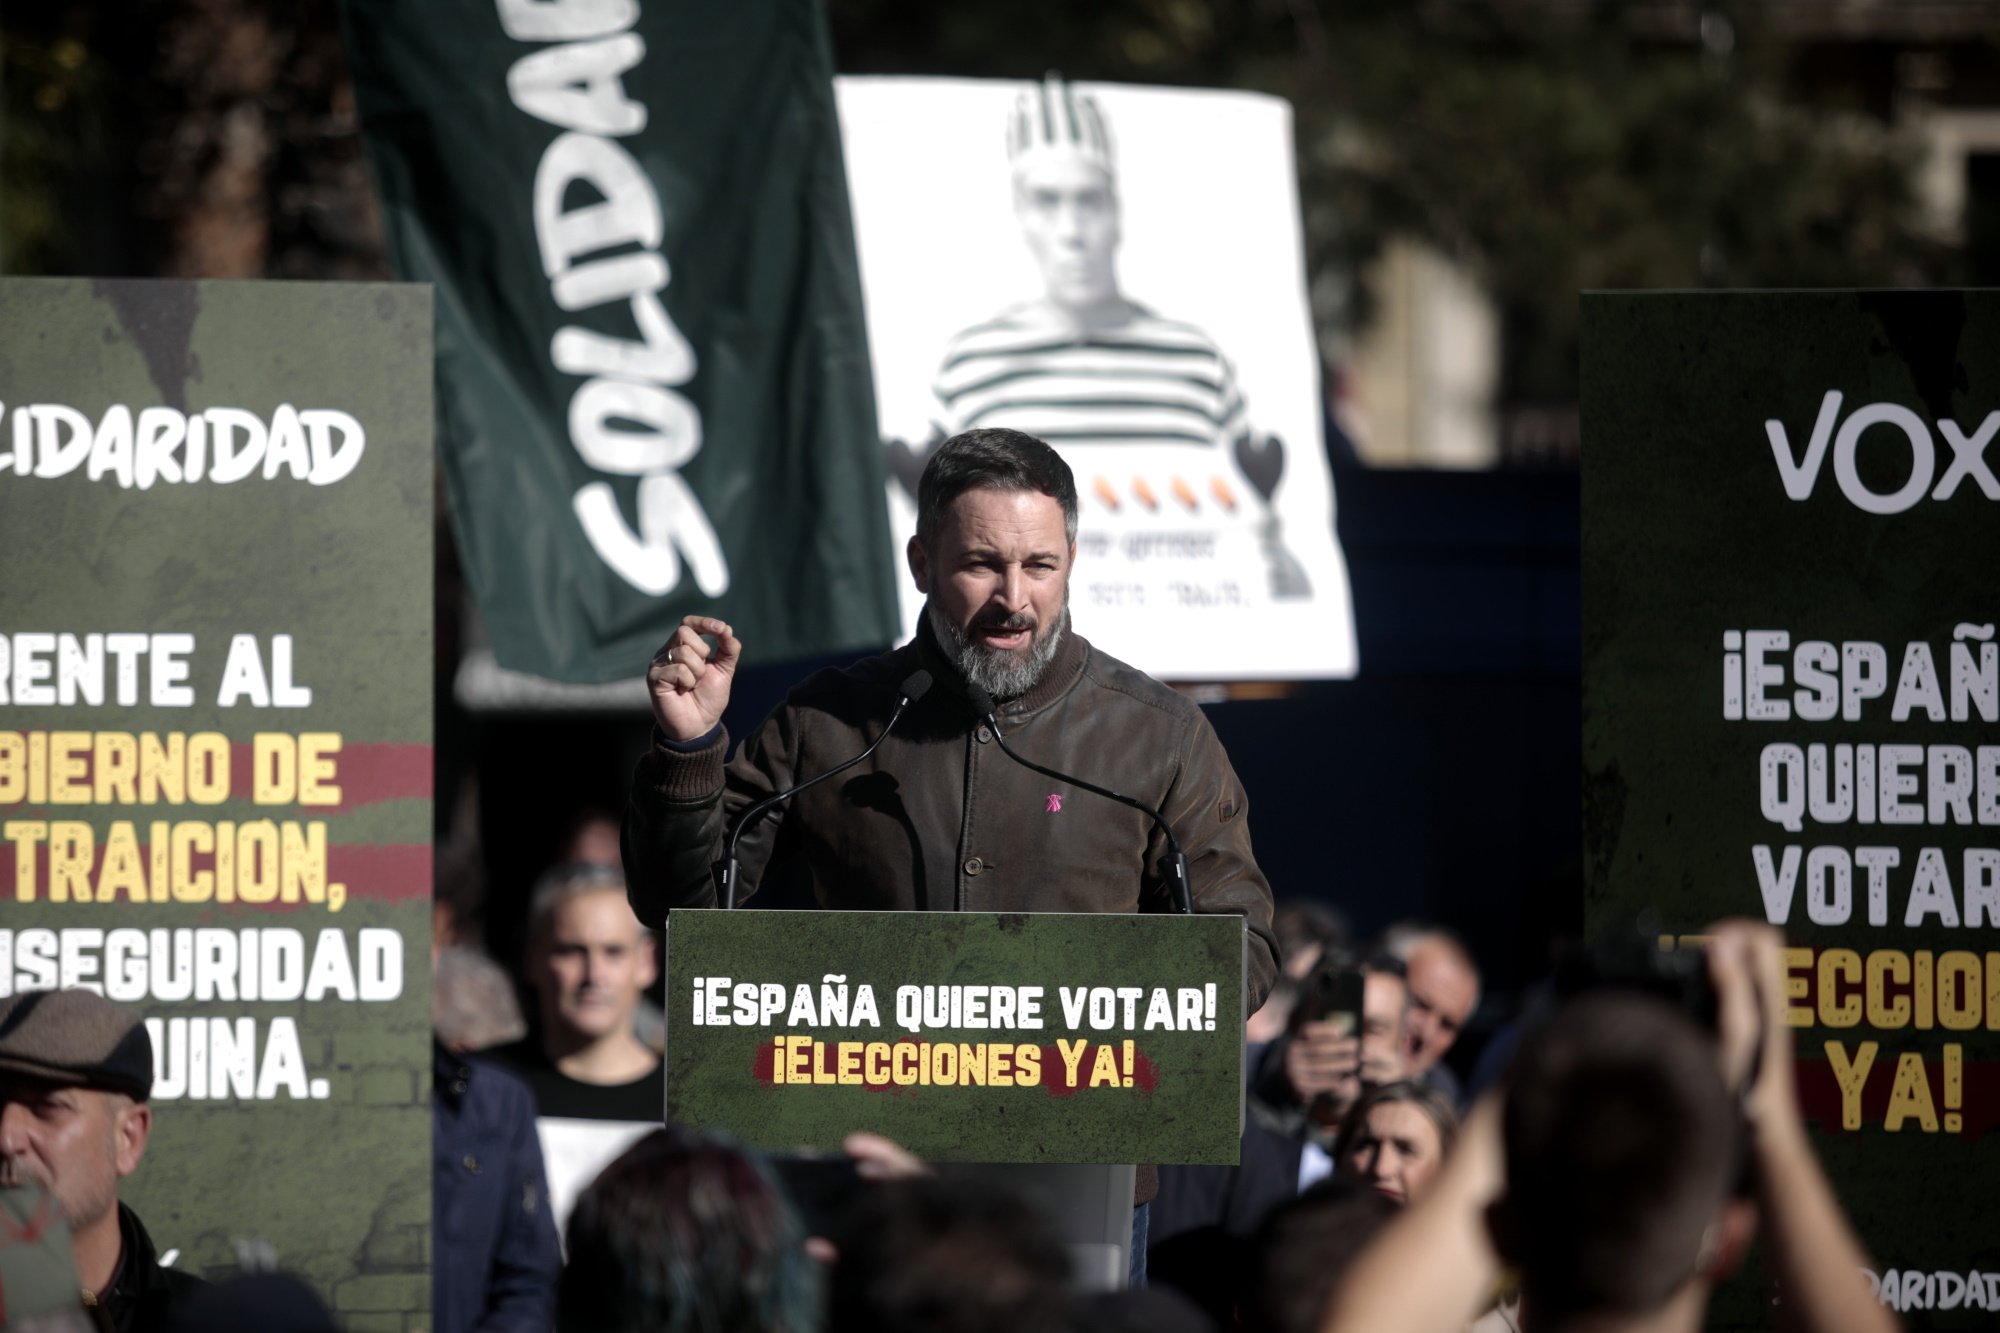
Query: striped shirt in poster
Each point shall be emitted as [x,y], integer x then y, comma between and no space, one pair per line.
[1147,381]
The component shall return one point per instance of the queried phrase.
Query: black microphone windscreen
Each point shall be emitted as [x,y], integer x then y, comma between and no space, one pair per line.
[916,685]
[982,702]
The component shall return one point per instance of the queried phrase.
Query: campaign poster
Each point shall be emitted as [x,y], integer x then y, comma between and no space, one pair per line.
[1117,270]
[964,1036]
[215,748]
[1792,713]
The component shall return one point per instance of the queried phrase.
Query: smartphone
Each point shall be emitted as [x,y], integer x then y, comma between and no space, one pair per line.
[1331,992]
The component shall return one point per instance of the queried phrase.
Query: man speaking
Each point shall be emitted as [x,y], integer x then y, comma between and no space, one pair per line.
[939,817]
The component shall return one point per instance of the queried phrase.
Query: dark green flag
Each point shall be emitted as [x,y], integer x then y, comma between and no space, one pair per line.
[653,384]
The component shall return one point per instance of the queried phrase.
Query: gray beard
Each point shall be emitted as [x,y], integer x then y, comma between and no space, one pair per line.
[1002,674]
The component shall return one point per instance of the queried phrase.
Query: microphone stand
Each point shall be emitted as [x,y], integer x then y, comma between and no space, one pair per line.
[913,688]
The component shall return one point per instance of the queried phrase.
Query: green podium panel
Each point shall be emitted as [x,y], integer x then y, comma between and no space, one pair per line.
[964,1036]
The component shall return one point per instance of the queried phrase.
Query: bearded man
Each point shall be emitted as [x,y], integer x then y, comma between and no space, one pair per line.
[939,819]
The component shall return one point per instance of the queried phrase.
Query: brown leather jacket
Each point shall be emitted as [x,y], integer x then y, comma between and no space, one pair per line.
[940,820]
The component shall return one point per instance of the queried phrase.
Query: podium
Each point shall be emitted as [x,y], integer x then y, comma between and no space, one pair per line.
[1046,1052]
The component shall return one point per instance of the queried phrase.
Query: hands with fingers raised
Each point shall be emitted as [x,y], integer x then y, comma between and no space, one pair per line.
[689,681]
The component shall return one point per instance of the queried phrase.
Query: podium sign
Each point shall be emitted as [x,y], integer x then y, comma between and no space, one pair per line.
[963,1036]
[1792,694]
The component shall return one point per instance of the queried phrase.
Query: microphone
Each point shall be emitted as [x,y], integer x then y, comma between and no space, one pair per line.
[914,687]
[1174,865]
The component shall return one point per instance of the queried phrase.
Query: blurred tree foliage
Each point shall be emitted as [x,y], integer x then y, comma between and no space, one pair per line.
[182,138]
[1550,147]
[52,116]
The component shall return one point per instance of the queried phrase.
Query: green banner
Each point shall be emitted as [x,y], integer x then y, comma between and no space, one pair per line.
[215,746]
[652,366]
[964,1036]
[1791,688]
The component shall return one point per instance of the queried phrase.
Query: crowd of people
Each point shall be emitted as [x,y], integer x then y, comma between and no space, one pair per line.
[1613,1176]
[1608,1178]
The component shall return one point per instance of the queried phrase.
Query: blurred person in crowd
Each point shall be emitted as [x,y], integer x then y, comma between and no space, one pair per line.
[1394,1140]
[591,838]
[1300,1252]
[1299,1093]
[1609,1176]
[472,1001]
[473,1005]
[1311,1077]
[255,1303]
[493,1236]
[1444,990]
[1140,1310]
[1306,932]
[1204,1213]
[684,1234]
[588,962]
[932,1256]
[76,1071]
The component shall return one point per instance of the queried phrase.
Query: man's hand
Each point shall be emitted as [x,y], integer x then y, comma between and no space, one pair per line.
[1322,1059]
[690,682]
[1746,961]
[879,1158]
[1815,1259]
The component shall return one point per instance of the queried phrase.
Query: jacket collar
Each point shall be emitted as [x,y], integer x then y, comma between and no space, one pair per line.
[136,1259]
[1064,669]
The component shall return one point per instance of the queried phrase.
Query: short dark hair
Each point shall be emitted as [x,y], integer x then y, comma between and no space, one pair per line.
[933,1256]
[993,458]
[1302,1250]
[1302,923]
[1622,1145]
[1436,1109]
[680,1233]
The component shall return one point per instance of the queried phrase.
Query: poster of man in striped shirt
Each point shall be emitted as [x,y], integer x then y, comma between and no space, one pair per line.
[1185,496]
[1082,363]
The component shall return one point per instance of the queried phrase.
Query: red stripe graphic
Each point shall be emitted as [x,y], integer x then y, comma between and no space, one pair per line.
[367,773]
[386,872]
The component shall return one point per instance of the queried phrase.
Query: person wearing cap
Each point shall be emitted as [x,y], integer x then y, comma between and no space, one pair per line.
[1083,364]
[75,1074]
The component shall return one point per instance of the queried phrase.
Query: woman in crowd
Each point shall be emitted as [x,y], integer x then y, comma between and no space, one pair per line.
[686,1233]
[1395,1139]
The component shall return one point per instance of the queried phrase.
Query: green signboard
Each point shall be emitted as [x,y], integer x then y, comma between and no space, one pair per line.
[1792,712]
[215,746]
[964,1036]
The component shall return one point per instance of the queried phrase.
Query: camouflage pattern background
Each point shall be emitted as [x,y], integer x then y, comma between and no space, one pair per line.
[330,1175]
[1176,1096]
[1693,549]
